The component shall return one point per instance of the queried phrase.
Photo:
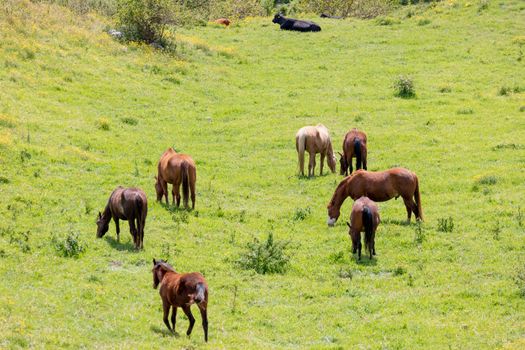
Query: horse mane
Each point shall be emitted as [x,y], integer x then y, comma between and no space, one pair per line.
[165,266]
[341,184]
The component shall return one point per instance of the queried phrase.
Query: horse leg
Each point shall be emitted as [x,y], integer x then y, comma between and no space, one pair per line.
[408,205]
[350,166]
[166,309]
[164,185]
[359,246]
[176,194]
[311,166]
[204,315]
[133,231]
[173,317]
[322,162]
[187,311]
[192,191]
[355,241]
[118,228]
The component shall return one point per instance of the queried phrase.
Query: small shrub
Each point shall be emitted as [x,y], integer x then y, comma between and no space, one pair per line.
[301,213]
[483,5]
[504,91]
[346,274]
[145,20]
[522,109]
[4,180]
[404,87]
[419,235]
[130,121]
[519,217]
[386,21]
[399,271]
[24,155]
[496,230]
[70,247]
[507,146]
[445,89]
[337,257]
[446,224]
[520,281]
[21,240]
[465,111]
[487,180]
[265,257]
[423,22]
[103,124]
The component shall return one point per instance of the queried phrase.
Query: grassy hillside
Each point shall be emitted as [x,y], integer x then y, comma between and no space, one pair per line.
[81,114]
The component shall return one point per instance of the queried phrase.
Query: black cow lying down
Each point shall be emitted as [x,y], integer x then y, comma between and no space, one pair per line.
[295,24]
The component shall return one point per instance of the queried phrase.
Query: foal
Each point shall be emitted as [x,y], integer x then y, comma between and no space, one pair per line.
[181,290]
[364,217]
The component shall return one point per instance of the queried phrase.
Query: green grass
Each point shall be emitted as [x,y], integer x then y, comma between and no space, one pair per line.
[81,114]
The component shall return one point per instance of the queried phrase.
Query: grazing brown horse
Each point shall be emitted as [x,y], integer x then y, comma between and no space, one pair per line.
[223,21]
[176,169]
[125,204]
[314,139]
[379,186]
[364,217]
[181,290]
[354,145]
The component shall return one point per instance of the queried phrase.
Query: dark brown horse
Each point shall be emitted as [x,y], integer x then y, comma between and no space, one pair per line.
[354,145]
[364,217]
[125,204]
[379,186]
[176,169]
[181,290]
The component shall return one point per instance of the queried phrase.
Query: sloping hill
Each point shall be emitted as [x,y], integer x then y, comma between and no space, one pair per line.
[81,114]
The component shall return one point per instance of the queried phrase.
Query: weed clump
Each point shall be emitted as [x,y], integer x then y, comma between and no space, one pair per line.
[487,180]
[103,124]
[446,224]
[265,257]
[404,87]
[70,247]
[301,213]
[130,121]
[520,281]
[419,235]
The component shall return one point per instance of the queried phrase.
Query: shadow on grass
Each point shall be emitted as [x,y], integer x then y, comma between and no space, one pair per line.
[164,332]
[397,222]
[310,178]
[366,261]
[172,208]
[128,246]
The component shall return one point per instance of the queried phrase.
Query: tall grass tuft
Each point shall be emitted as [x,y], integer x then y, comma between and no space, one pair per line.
[404,87]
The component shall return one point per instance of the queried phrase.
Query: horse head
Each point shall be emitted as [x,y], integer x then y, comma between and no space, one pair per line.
[332,161]
[333,213]
[343,163]
[102,225]
[278,18]
[160,267]
[158,189]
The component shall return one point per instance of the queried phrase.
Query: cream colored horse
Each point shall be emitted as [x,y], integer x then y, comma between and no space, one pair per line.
[314,139]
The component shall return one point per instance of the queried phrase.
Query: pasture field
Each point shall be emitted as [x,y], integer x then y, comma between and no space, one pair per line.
[81,113]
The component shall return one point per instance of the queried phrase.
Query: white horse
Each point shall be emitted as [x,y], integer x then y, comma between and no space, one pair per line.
[314,139]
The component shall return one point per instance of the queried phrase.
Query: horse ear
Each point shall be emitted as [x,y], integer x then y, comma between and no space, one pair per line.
[339,154]
[348,224]
[99,215]
[154,261]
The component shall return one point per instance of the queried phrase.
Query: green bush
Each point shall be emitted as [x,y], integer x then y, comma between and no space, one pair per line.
[446,224]
[145,20]
[265,257]
[404,87]
[70,247]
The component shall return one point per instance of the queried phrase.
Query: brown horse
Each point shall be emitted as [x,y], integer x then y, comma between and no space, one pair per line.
[181,290]
[354,145]
[364,217]
[379,186]
[314,139]
[224,21]
[176,169]
[125,204]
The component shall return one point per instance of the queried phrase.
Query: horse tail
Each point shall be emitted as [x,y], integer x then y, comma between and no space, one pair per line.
[200,294]
[417,197]
[357,152]
[368,222]
[185,182]
[300,144]
[139,216]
